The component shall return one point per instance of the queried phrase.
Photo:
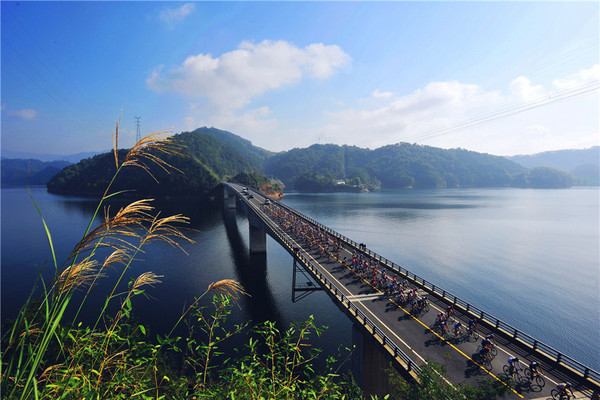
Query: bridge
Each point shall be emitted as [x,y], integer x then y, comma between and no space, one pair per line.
[386,329]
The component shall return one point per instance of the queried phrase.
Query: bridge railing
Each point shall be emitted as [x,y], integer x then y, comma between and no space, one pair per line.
[386,341]
[284,239]
[483,316]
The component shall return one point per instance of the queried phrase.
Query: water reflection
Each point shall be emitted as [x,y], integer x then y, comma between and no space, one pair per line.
[251,270]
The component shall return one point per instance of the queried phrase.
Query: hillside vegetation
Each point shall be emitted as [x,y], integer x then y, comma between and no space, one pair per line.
[584,164]
[208,156]
[211,155]
[404,165]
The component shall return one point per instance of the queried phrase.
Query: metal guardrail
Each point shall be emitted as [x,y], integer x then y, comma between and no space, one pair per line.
[483,316]
[286,240]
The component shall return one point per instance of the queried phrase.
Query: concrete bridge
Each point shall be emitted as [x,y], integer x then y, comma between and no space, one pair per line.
[385,330]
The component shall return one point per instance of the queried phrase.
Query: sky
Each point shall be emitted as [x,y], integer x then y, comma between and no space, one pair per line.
[502,78]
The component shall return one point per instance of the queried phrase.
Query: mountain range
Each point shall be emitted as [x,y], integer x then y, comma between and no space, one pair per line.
[212,155]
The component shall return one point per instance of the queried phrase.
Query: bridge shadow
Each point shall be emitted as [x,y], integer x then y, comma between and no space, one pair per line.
[251,271]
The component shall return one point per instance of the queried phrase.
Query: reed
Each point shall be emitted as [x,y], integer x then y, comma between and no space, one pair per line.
[35,350]
[45,357]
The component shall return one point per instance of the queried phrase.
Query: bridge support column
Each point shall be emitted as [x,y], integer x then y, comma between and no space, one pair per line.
[228,198]
[258,240]
[369,364]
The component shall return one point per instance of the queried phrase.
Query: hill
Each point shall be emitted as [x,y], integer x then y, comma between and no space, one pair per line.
[21,172]
[565,160]
[210,155]
[213,155]
[318,167]
[583,164]
[71,158]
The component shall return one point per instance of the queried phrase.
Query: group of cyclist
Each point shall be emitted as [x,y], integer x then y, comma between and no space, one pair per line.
[371,270]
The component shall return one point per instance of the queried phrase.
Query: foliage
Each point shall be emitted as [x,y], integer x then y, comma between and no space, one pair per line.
[259,182]
[207,157]
[40,355]
[587,175]
[544,178]
[212,155]
[46,356]
[394,166]
[433,386]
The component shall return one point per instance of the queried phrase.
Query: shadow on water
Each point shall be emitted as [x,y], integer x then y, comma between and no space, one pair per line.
[251,270]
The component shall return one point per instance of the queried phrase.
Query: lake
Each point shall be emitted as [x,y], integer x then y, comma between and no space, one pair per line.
[530,257]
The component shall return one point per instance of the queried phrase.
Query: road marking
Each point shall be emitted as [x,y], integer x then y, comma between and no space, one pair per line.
[364,297]
[359,298]
[435,333]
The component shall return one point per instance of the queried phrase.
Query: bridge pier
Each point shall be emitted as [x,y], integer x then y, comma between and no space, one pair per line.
[229,197]
[258,239]
[369,364]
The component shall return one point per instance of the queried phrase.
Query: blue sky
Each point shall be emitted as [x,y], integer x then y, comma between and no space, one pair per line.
[503,78]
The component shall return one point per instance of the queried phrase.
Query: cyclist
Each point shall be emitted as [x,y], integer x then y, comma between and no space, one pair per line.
[440,318]
[485,342]
[449,311]
[536,369]
[443,327]
[563,388]
[491,338]
[472,325]
[457,327]
[484,353]
[513,362]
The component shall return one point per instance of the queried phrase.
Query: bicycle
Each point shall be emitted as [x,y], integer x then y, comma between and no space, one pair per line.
[560,395]
[486,360]
[460,336]
[473,334]
[444,331]
[534,377]
[516,376]
[493,350]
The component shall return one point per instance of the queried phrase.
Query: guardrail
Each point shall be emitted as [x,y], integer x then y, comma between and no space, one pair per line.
[543,349]
[284,239]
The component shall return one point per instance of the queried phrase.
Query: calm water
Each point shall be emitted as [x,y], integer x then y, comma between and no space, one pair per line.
[529,257]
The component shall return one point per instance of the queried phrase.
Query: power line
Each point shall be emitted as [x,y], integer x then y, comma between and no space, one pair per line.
[510,110]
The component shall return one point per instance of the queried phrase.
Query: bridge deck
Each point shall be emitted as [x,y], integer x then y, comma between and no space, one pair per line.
[415,335]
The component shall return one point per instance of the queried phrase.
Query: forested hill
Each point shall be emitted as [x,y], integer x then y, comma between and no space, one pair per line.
[406,165]
[213,155]
[583,164]
[210,155]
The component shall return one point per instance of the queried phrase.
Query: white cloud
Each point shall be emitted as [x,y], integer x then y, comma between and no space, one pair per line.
[454,114]
[522,89]
[172,16]
[583,77]
[232,80]
[381,95]
[26,113]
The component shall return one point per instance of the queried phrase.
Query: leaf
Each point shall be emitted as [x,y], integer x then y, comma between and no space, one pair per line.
[143,329]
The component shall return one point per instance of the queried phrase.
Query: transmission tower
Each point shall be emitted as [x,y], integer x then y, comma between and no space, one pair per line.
[138,134]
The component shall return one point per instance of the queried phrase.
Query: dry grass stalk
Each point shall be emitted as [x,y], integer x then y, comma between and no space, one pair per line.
[146,279]
[30,331]
[229,287]
[163,229]
[144,152]
[78,275]
[116,141]
[119,256]
[123,224]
